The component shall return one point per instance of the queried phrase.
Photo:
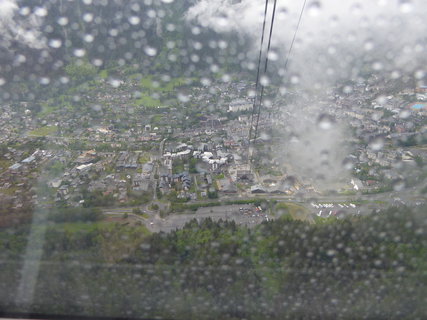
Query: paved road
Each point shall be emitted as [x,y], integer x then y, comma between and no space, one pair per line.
[241,214]
[250,216]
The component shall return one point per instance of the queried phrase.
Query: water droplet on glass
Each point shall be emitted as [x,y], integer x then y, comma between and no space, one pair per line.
[325,122]
[377,116]
[24,11]
[376,143]
[398,185]
[273,56]
[347,89]
[172,57]
[333,21]
[419,74]
[183,97]
[96,107]
[134,20]
[79,52]
[115,82]
[226,78]
[251,93]
[405,6]
[170,27]
[404,114]
[194,58]
[348,164]
[369,45]
[197,45]
[264,80]
[170,44]
[88,38]
[264,136]
[377,66]
[282,13]
[289,182]
[294,139]
[196,31]
[97,62]
[62,21]
[150,51]
[222,21]
[295,79]
[88,17]
[166,78]
[20,59]
[2,81]
[331,252]
[113,32]
[381,100]
[205,81]
[222,44]
[214,68]
[64,80]
[283,90]
[356,9]
[55,43]
[395,74]
[314,8]
[40,12]
[44,80]
[151,13]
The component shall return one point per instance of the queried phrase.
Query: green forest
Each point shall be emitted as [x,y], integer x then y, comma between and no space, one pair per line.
[364,267]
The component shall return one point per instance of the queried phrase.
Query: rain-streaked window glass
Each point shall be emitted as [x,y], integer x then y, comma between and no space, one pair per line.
[213,159]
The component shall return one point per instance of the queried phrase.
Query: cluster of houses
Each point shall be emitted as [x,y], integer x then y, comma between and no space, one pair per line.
[127,160]
[17,189]
[215,158]
[105,172]
[218,143]
[167,181]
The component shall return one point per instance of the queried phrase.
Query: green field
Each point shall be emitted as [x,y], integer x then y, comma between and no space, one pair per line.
[4,164]
[9,191]
[46,110]
[144,158]
[149,83]
[43,131]
[147,101]
[295,211]
[103,74]
[156,120]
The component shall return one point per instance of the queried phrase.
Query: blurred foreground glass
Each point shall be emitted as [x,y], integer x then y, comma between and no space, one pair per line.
[155,164]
